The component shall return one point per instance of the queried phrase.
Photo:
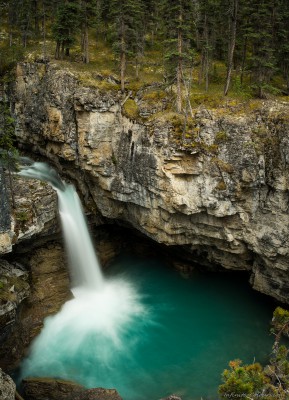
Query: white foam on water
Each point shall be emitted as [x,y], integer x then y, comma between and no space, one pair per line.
[94,322]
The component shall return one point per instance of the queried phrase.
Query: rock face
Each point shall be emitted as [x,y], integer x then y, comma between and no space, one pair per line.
[33,213]
[48,291]
[220,192]
[14,289]
[54,389]
[7,387]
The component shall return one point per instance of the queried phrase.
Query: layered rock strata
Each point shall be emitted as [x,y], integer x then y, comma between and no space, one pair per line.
[218,190]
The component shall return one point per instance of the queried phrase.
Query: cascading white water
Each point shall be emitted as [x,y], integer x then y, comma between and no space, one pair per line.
[94,321]
[83,262]
[85,268]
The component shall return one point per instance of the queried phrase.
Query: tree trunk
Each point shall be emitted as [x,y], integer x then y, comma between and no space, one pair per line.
[36,17]
[137,67]
[179,66]
[207,64]
[24,39]
[286,73]
[205,58]
[122,58]
[232,43]
[202,67]
[44,29]
[85,45]
[188,102]
[62,51]
[207,54]
[57,50]
[243,60]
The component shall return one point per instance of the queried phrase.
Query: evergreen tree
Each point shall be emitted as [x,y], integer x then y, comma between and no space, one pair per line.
[260,34]
[66,25]
[210,33]
[153,19]
[24,21]
[253,381]
[178,42]
[89,16]
[282,39]
[233,13]
[127,18]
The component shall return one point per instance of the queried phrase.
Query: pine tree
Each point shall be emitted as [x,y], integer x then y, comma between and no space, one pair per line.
[127,18]
[66,25]
[153,19]
[89,16]
[178,45]
[260,34]
[282,39]
[24,20]
[233,14]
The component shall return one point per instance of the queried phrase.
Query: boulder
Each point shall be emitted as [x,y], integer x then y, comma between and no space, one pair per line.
[56,389]
[7,387]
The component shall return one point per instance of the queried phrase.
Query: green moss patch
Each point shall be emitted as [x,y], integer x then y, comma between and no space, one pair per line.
[130,109]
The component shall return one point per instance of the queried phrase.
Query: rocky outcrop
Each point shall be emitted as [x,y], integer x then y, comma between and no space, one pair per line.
[28,210]
[48,290]
[14,289]
[7,387]
[219,190]
[55,389]
[172,397]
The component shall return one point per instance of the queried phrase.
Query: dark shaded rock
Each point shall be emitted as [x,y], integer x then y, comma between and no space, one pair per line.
[56,389]
[5,219]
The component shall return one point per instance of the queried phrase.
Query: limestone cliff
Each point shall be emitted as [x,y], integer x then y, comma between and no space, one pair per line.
[28,209]
[219,190]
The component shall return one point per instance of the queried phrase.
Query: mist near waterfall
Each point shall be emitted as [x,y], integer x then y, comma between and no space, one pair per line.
[102,311]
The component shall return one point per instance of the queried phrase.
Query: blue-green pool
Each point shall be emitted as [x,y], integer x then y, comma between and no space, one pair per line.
[178,339]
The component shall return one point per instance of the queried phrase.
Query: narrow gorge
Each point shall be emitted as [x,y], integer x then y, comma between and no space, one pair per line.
[216,196]
[222,197]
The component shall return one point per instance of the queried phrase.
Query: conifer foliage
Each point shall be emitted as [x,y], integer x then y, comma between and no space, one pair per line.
[127,31]
[249,38]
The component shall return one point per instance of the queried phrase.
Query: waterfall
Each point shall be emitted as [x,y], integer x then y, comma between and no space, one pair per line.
[84,266]
[91,326]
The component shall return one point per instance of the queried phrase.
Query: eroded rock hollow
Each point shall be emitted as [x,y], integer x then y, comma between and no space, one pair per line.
[218,194]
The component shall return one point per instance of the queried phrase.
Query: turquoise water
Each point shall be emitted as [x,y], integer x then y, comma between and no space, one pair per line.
[177,337]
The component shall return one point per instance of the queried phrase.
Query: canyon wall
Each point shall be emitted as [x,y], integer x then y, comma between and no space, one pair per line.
[218,191]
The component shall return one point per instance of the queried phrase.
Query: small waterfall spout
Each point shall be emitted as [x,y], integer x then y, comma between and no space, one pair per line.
[84,265]
[40,171]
